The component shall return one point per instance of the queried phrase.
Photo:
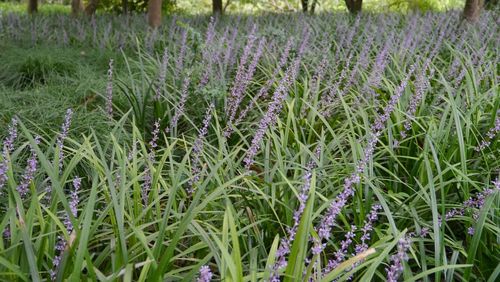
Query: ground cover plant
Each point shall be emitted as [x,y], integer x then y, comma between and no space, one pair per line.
[243,148]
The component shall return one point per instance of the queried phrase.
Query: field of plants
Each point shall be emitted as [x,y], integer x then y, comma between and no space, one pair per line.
[278,147]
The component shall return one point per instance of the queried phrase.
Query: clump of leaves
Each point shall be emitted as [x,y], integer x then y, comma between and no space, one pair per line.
[35,70]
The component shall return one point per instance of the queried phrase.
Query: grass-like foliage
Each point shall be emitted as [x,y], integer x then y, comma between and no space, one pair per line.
[272,148]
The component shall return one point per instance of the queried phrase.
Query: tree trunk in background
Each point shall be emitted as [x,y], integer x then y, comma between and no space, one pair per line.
[76,7]
[125,6]
[313,6]
[472,9]
[154,13]
[91,7]
[304,5]
[32,6]
[217,7]
[354,6]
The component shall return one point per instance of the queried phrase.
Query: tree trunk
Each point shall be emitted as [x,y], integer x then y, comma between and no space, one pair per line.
[472,9]
[313,6]
[354,6]
[125,6]
[76,7]
[91,7]
[217,7]
[154,13]
[305,4]
[32,6]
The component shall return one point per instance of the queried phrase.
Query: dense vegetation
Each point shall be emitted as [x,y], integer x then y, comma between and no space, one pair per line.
[248,148]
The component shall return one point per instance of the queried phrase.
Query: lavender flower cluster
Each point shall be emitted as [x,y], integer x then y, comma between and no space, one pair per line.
[162,75]
[179,111]
[328,220]
[30,171]
[146,185]
[398,259]
[242,83]
[8,147]
[182,52]
[62,136]
[264,90]
[205,274]
[62,243]
[241,74]
[207,56]
[273,111]
[474,203]
[490,135]
[341,253]
[378,68]
[285,243]
[329,99]
[109,90]
[331,81]
[198,149]
[367,229]
[420,87]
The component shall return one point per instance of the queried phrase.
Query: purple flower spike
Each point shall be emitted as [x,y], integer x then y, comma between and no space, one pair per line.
[379,124]
[8,147]
[263,91]
[209,37]
[424,232]
[341,253]
[241,74]
[182,52]
[153,143]
[421,86]
[228,55]
[285,244]
[6,233]
[398,260]
[205,274]
[162,75]
[475,202]
[208,58]
[273,111]
[61,242]
[109,91]
[73,204]
[471,231]
[496,183]
[29,173]
[389,108]
[180,107]
[242,85]
[368,228]
[146,185]
[378,69]
[330,97]
[8,144]
[62,136]
[328,220]
[490,135]
[198,149]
